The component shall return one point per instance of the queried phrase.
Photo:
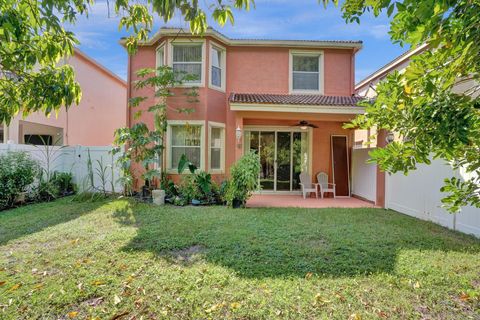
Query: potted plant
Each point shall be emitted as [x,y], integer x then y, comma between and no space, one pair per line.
[244,180]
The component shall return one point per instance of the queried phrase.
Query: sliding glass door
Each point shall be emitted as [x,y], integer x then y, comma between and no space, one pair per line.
[283,156]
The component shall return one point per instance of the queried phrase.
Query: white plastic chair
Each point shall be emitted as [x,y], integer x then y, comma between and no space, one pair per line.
[325,187]
[307,185]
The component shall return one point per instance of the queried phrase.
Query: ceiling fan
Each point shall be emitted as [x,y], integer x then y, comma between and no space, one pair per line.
[305,124]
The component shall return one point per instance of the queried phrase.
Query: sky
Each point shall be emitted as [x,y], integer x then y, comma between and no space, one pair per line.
[271,19]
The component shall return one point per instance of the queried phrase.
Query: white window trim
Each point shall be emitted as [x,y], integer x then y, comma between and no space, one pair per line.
[170,46]
[321,70]
[157,60]
[223,62]
[211,125]
[170,123]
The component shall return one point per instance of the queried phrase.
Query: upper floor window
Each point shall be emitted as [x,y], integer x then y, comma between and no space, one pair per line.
[187,60]
[217,67]
[306,72]
[160,56]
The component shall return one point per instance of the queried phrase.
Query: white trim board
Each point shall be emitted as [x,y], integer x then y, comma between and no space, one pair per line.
[297,108]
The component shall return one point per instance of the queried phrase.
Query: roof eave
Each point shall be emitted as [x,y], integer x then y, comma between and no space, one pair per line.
[389,66]
[300,108]
[251,42]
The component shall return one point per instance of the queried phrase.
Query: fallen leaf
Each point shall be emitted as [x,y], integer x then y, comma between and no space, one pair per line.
[308,275]
[416,285]
[234,305]
[119,315]
[355,316]
[213,308]
[98,282]
[464,297]
[95,302]
[80,286]
[15,287]
[116,300]
[2,283]
[75,241]
[72,314]
[38,286]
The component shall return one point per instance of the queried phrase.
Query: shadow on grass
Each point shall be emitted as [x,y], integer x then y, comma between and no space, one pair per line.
[18,222]
[259,243]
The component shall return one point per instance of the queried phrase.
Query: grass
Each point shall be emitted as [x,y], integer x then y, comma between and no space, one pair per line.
[119,259]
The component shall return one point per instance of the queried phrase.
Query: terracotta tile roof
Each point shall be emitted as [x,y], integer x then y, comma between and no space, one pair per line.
[294,99]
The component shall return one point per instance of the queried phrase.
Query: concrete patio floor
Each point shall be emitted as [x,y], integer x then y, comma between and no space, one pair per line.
[297,201]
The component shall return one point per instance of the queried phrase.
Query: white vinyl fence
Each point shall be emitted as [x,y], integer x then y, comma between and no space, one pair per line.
[364,175]
[417,194]
[75,159]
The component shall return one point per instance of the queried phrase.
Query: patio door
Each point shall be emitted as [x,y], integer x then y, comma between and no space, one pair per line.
[283,156]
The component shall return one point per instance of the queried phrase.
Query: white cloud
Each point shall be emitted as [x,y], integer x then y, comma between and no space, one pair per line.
[379,31]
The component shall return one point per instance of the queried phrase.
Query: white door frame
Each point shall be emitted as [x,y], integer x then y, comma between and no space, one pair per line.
[277,129]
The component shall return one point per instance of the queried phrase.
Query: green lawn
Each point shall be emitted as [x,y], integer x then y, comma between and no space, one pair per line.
[120,259]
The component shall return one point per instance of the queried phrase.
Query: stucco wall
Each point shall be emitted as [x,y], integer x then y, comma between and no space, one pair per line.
[253,70]
[92,122]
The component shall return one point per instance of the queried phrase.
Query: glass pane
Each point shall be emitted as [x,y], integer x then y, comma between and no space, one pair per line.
[187,53]
[192,153]
[300,157]
[216,138]
[267,159]
[305,63]
[283,161]
[216,76]
[183,69]
[305,81]
[160,57]
[215,148]
[215,158]
[183,135]
[216,57]
[251,141]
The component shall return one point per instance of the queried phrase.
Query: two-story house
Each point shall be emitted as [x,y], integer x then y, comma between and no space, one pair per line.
[285,99]
[91,123]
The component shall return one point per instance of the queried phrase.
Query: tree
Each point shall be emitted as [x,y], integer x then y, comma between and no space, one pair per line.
[426,104]
[33,41]
[144,145]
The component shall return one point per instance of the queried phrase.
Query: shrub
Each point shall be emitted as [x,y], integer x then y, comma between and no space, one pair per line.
[17,172]
[64,183]
[244,179]
[60,184]
[188,189]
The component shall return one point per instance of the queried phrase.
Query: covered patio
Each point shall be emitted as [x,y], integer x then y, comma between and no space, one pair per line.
[297,201]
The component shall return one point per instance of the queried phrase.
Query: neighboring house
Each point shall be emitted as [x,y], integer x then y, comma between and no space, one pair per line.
[366,89]
[92,123]
[285,99]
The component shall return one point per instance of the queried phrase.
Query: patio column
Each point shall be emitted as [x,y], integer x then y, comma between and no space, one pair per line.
[238,142]
[380,198]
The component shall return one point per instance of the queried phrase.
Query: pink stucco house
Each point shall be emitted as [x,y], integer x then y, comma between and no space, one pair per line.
[285,99]
[91,123]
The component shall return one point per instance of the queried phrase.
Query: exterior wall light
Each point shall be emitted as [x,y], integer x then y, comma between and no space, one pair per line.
[390,137]
[238,134]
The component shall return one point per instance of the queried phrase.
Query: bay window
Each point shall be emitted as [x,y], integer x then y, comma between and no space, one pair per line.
[217,147]
[185,138]
[187,60]
[217,67]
